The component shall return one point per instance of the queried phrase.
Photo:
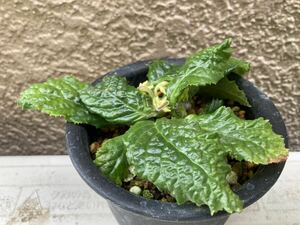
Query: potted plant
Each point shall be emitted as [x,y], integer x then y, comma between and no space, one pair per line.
[170,141]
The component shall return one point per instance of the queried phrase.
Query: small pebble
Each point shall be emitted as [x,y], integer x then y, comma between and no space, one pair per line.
[164,200]
[250,165]
[137,183]
[170,198]
[146,184]
[235,108]
[147,194]
[232,178]
[94,147]
[135,190]
[241,114]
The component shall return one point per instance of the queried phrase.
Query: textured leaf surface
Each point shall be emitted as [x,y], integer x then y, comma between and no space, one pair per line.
[202,68]
[206,67]
[117,102]
[250,140]
[159,69]
[183,161]
[111,160]
[60,97]
[187,157]
[225,89]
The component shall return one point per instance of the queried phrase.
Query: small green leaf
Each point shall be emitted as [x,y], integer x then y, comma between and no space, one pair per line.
[159,69]
[225,89]
[111,160]
[187,157]
[60,97]
[213,105]
[117,102]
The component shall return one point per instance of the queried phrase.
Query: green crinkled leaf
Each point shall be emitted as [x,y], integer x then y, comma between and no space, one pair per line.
[250,140]
[111,160]
[60,97]
[159,69]
[205,67]
[117,102]
[187,157]
[225,89]
[182,160]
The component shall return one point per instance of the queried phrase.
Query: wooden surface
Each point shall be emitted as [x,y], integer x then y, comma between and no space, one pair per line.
[46,190]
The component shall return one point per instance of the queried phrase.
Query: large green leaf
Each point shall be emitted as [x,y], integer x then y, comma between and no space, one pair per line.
[187,157]
[111,160]
[182,160]
[117,102]
[60,97]
[161,69]
[206,67]
[225,89]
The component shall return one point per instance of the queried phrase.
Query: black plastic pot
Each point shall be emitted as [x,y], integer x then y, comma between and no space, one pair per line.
[130,209]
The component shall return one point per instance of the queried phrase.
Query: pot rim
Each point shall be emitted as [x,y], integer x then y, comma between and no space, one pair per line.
[77,142]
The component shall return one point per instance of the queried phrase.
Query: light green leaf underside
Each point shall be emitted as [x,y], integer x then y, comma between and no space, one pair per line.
[111,160]
[225,89]
[60,97]
[205,67]
[117,102]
